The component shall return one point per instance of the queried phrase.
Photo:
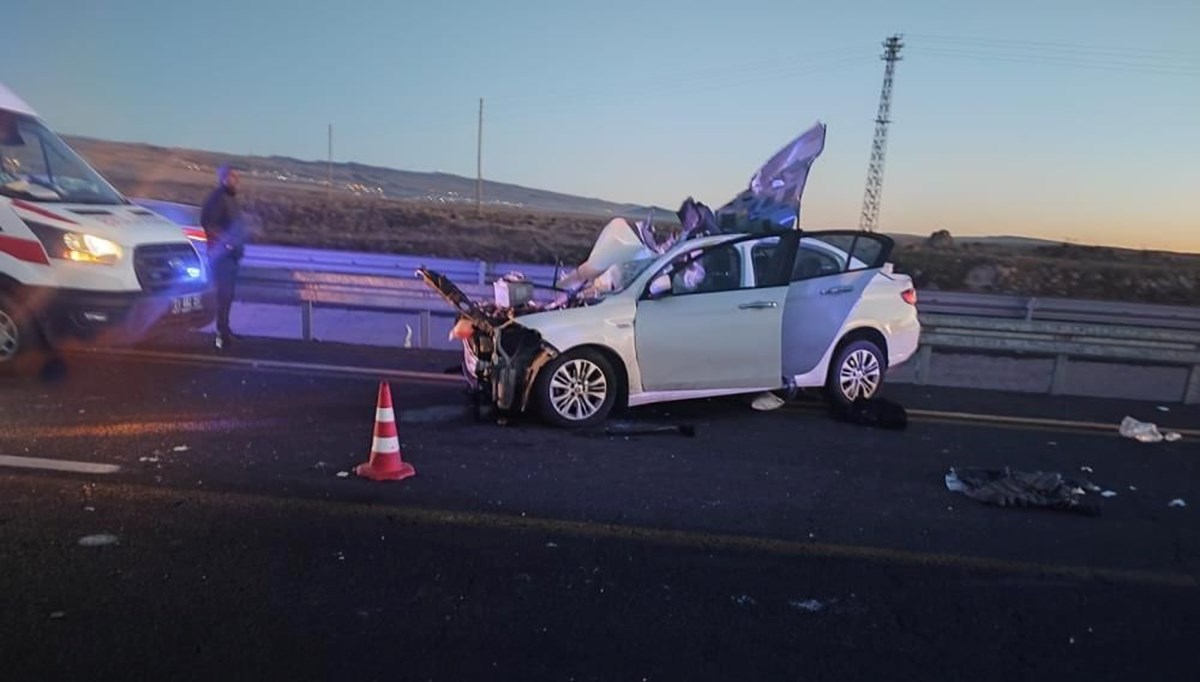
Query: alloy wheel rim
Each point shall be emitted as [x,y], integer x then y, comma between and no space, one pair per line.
[10,340]
[578,389]
[860,375]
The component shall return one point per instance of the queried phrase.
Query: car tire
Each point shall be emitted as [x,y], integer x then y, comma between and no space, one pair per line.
[18,336]
[576,389]
[857,371]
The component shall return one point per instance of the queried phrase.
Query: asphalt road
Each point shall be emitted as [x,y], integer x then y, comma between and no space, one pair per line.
[771,546]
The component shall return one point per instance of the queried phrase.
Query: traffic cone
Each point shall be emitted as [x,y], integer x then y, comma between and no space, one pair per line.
[385,463]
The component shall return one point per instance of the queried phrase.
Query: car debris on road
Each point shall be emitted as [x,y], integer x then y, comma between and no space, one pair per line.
[1007,488]
[637,429]
[1146,432]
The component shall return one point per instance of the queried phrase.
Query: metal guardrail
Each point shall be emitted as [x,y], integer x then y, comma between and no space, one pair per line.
[1064,342]
[1031,326]
[1063,329]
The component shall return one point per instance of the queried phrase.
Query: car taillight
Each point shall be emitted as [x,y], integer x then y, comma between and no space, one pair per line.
[909,296]
[195,234]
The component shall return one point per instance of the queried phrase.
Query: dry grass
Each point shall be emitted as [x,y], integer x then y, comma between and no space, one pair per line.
[299,215]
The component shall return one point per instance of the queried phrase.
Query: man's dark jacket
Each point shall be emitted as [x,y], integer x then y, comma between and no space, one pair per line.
[221,218]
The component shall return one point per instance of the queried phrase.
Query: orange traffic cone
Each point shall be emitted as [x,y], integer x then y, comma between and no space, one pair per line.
[385,463]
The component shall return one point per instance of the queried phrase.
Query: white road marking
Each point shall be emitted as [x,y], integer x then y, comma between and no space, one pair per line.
[58,465]
[278,365]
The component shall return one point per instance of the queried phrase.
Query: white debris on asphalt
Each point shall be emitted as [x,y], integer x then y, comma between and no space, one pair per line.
[744,600]
[551,545]
[343,474]
[152,460]
[1108,493]
[810,605]
[767,402]
[57,615]
[1133,488]
[1163,408]
[1144,432]
[1088,470]
[180,448]
[1172,436]
[1177,503]
[99,540]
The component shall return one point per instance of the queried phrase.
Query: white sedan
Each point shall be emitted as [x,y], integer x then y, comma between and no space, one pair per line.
[717,315]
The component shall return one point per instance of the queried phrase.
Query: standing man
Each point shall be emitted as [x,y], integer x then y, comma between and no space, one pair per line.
[221,218]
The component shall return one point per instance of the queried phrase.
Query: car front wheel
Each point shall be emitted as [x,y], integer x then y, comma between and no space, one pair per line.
[17,337]
[857,372]
[576,389]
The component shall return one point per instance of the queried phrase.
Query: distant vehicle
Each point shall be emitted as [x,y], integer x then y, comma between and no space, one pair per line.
[77,259]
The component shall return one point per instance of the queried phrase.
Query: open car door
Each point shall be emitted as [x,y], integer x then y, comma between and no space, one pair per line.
[830,272]
[712,320]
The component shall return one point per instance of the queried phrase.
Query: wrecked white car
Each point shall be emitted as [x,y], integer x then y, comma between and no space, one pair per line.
[726,303]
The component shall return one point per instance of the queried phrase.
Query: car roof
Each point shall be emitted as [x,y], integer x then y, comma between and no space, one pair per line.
[10,102]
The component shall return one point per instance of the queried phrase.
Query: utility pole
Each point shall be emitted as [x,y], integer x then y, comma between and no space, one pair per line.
[329,167]
[870,209]
[479,164]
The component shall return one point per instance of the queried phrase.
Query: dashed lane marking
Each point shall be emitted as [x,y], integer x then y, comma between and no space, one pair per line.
[58,465]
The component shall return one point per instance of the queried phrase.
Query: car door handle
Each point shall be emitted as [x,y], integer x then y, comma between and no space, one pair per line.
[758,305]
[837,290]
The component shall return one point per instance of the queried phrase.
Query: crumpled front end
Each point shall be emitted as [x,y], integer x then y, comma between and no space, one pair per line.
[502,357]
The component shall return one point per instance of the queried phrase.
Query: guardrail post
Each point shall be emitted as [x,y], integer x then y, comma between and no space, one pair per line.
[1029,306]
[924,357]
[1191,393]
[482,272]
[1060,374]
[424,322]
[306,320]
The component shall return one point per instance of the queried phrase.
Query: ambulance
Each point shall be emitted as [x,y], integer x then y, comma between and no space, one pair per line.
[79,261]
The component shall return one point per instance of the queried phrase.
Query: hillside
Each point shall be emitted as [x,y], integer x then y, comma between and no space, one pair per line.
[134,163]
[384,210]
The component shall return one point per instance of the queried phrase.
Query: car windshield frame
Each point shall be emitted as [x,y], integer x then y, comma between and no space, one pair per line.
[37,165]
[627,273]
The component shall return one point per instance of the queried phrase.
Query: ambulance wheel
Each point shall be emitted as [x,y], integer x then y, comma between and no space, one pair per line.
[18,336]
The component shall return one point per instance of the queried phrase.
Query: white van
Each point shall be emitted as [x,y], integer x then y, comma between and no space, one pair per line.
[77,259]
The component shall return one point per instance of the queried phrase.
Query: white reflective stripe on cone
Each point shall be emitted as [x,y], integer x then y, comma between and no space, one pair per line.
[385,414]
[389,444]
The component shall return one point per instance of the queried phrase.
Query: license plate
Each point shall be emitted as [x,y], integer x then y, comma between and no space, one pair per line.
[186,304]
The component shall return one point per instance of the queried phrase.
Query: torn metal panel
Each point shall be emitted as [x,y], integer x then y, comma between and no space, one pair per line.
[772,199]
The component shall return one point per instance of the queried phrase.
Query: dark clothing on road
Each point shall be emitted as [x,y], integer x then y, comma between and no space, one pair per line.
[221,218]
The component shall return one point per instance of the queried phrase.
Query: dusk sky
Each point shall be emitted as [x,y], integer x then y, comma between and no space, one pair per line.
[1062,120]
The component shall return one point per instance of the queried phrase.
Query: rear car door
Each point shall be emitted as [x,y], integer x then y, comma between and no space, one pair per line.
[716,324]
[830,272]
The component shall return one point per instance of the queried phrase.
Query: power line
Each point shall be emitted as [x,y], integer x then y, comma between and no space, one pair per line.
[623,97]
[1114,50]
[643,80]
[1056,60]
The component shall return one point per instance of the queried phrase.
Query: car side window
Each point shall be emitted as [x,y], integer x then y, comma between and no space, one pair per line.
[816,259]
[715,269]
[832,252]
